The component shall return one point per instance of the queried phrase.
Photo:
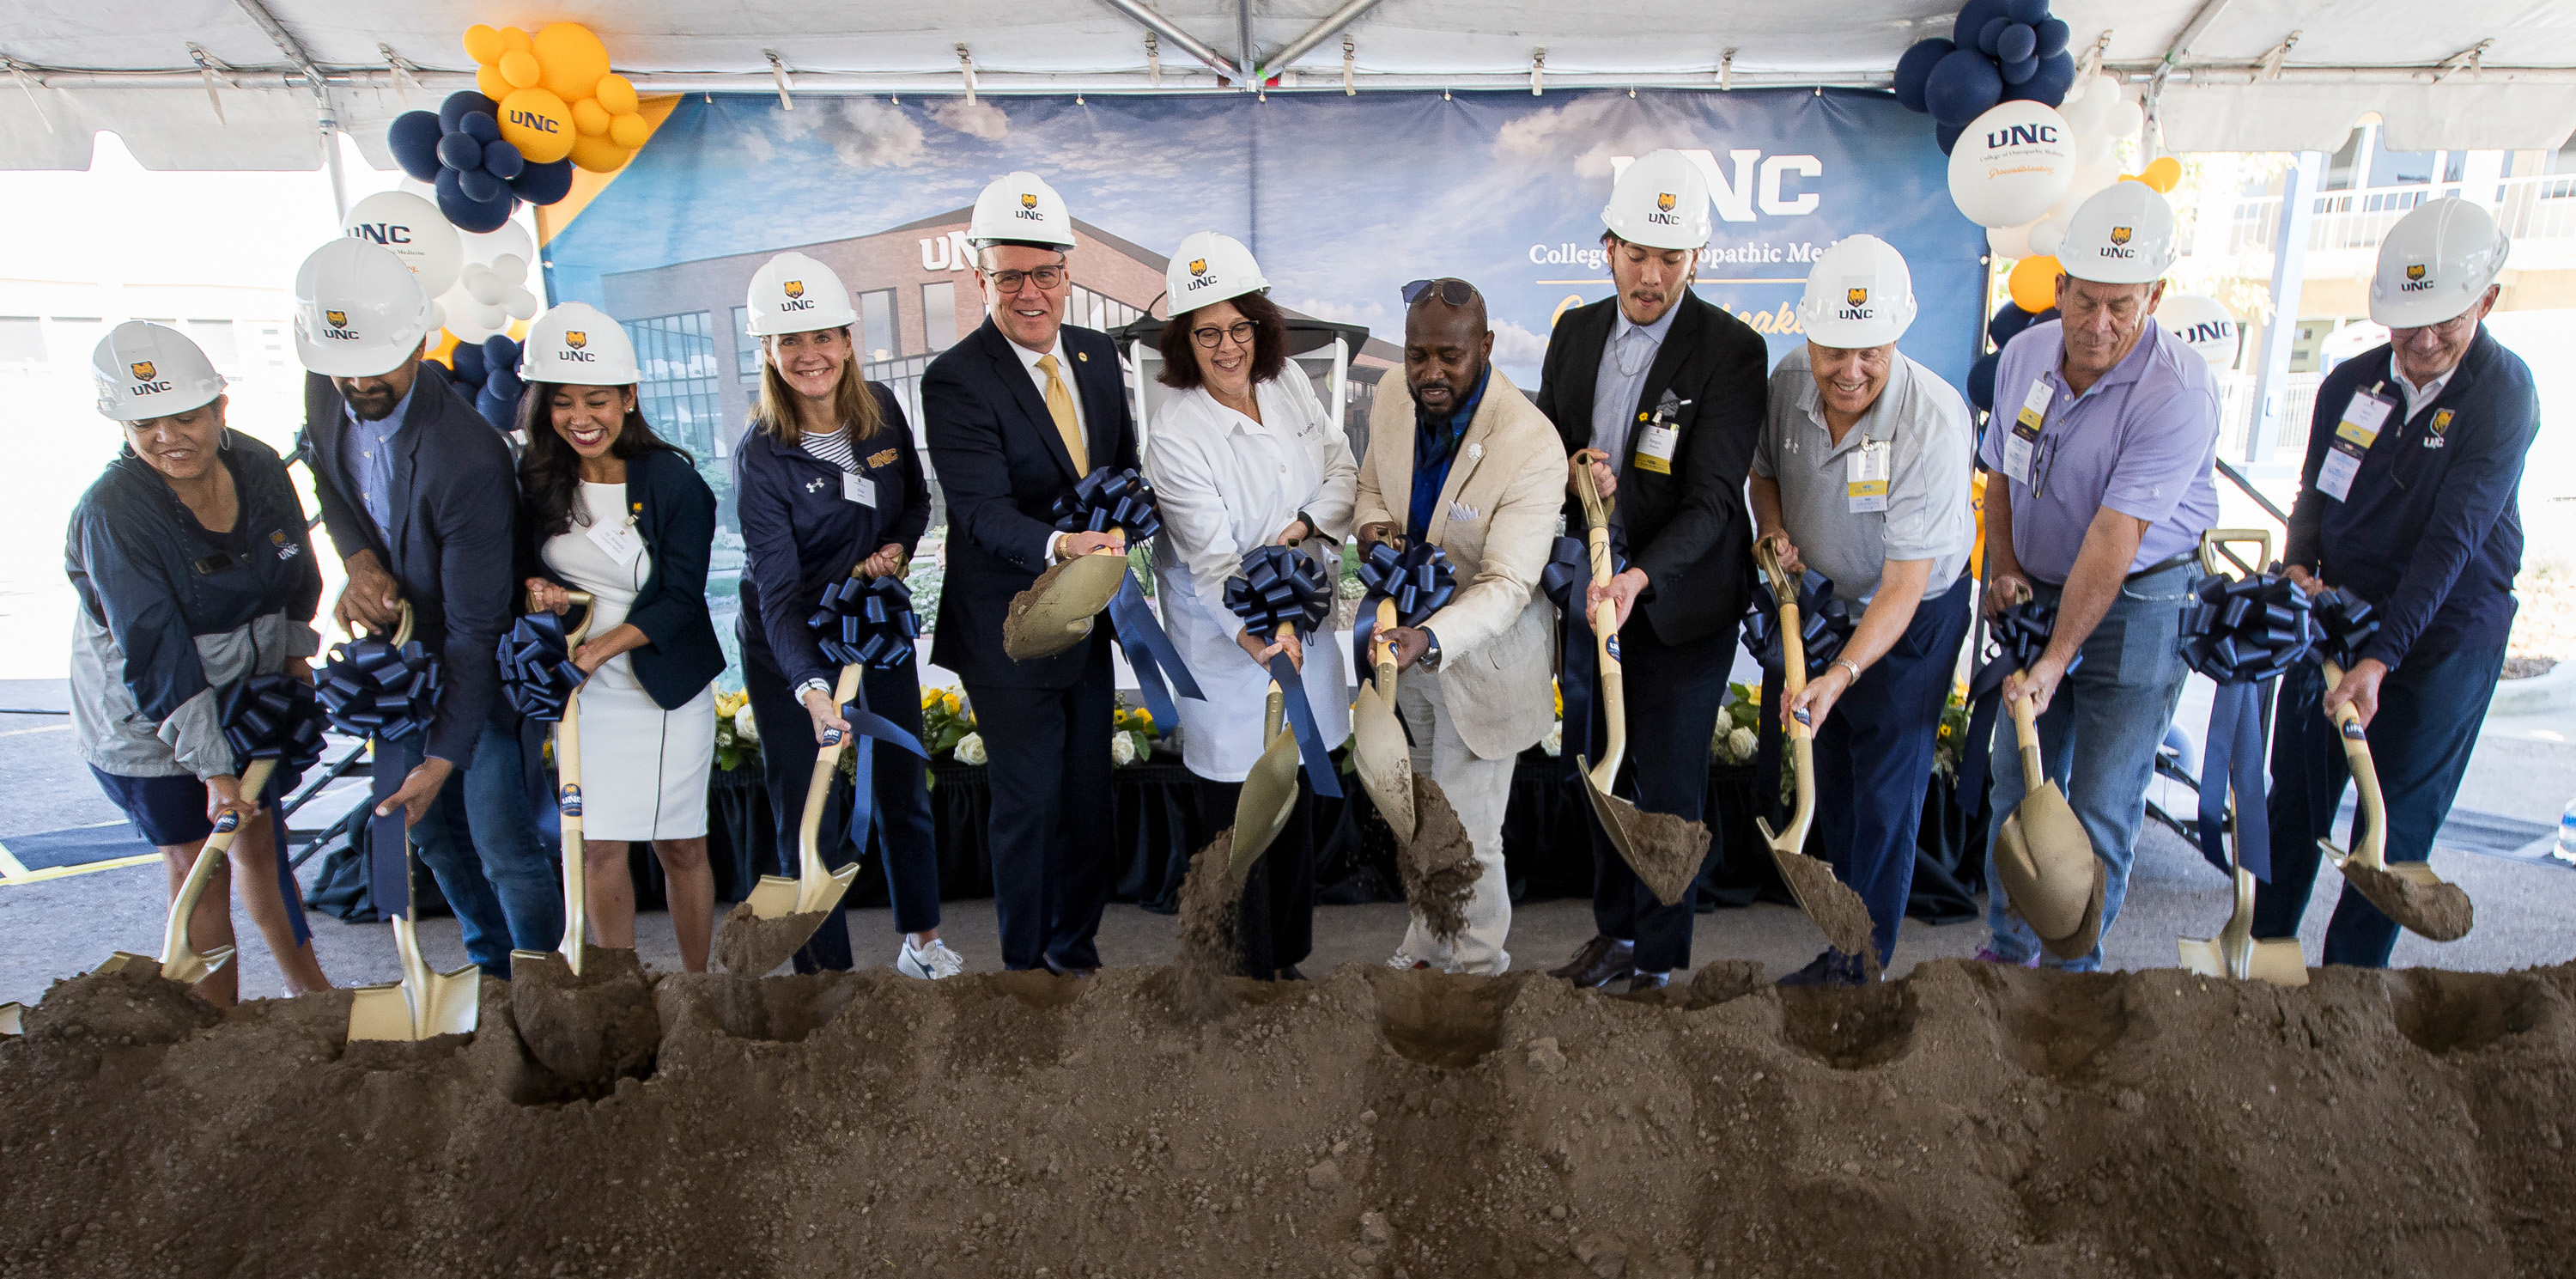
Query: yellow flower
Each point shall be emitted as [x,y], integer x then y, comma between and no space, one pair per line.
[1144,718]
[929,698]
[951,700]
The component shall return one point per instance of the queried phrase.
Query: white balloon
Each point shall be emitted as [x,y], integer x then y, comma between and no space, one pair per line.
[512,268]
[437,317]
[2106,87]
[2096,149]
[2048,235]
[511,238]
[2089,178]
[2124,119]
[487,288]
[2011,163]
[414,186]
[2008,243]
[489,316]
[414,229]
[2086,114]
[2202,323]
[521,304]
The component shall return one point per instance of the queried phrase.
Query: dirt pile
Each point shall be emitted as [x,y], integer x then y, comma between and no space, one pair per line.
[1970,1120]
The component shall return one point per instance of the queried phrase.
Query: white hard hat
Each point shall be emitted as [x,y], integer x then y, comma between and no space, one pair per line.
[575,344]
[2202,323]
[792,293]
[2121,234]
[1209,267]
[1020,206]
[359,310]
[1859,294]
[1660,201]
[2435,263]
[147,370]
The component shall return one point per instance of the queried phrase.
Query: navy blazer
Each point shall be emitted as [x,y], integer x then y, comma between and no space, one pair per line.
[801,535]
[1001,467]
[675,514]
[454,497]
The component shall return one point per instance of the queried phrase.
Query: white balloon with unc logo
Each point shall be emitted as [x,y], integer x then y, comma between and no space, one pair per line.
[2202,323]
[416,232]
[2011,164]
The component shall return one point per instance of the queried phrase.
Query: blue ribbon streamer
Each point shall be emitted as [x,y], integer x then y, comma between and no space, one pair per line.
[867,622]
[2020,636]
[1151,653]
[1281,585]
[538,675]
[388,838]
[871,728]
[1419,579]
[1824,623]
[2232,758]
[2243,634]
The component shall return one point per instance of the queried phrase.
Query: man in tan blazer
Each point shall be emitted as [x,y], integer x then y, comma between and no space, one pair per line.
[1464,461]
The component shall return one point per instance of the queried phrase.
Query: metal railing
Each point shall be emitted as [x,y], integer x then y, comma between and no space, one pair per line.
[2537,206]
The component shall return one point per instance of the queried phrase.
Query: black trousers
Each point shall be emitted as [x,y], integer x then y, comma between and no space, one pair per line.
[1276,926]
[1674,694]
[902,828]
[1054,816]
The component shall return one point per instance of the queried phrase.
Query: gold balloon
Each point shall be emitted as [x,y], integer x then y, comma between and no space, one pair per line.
[598,155]
[2163,174]
[590,118]
[483,43]
[2033,283]
[538,124]
[520,68]
[617,93]
[488,82]
[574,59]
[629,130]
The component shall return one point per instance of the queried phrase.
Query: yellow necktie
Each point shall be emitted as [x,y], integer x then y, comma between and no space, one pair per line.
[1059,400]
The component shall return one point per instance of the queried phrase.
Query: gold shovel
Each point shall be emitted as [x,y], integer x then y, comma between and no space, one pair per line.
[567,738]
[426,1002]
[180,960]
[1269,793]
[1665,851]
[2407,892]
[817,887]
[2043,855]
[1829,901]
[1379,752]
[2235,952]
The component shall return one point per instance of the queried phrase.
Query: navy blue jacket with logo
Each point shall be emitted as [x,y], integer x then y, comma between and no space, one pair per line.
[800,534]
[454,496]
[2429,536]
[675,515]
[171,615]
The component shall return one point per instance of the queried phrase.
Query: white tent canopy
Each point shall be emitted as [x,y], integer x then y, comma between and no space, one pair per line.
[232,84]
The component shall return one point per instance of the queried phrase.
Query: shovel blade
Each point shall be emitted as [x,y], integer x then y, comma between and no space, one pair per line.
[1665,851]
[1261,808]
[2046,861]
[773,897]
[13,1018]
[2088,928]
[824,892]
[190,967]
[1384,761]
[2277,961]
[448,1004]
[1056,612]
[2200,955]
[453,1003]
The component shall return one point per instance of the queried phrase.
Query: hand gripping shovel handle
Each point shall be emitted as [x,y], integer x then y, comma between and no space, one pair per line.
[1605,627]
[180,961]
[2025,720]
[2373,849]
[1382,650]
[1793,681]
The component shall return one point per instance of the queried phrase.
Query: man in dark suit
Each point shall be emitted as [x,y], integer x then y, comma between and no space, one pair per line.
[418,494]
[1015,414]
[1663,395]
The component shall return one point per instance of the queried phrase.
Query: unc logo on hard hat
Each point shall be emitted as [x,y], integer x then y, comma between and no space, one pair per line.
[1198,266]
[142,370]
[2119,235]
[337,319]
[1664,200]
[576,339]
[1856,297]
[1028,199]
[795,288]
[2418,279]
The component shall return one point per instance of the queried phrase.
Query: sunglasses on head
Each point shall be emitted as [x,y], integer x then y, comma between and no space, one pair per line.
[1455,292]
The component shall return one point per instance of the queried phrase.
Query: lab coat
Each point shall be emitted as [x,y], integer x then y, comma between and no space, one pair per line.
[1227,484]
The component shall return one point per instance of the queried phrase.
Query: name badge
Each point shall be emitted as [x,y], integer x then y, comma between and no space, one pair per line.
[1661,437]
[2022,445]
[618,541]
[1865,472]
[859,489]
[2354,434]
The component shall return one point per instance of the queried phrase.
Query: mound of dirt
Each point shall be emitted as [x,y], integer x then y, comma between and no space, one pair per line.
[1970,1120]
[589,1030]
[747,944]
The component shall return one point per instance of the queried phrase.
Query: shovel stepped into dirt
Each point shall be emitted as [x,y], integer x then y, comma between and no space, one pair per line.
[2044,858]
[426,1002]
[567,741]
[2420,901]
[2236,952]
[1665,851]
[1828,901]
[817,887]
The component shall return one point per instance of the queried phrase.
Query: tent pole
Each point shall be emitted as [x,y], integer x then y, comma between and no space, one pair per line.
[1324,29]
[1144,16]
[2289,267]
[1246,56]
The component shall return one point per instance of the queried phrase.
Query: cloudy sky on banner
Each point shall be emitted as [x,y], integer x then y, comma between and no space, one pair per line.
[1342,198]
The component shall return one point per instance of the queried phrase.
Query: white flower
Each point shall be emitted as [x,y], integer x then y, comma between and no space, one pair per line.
[1554,742]
[1122,749]
[970,749]
[1475,452]
[745,728]
[1740,745]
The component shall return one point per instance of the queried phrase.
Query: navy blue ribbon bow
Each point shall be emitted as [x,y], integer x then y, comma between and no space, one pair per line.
[2020,636]
[866,621]
[273,717]
[1824,623]
[1420,581]
[2243,634]
[373,689]
[1282,585]
[2345,625]
[1567,579]
[1114,497]
[538,675]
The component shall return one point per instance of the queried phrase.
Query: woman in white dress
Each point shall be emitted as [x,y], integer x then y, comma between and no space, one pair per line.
[1244,456]
[608,507]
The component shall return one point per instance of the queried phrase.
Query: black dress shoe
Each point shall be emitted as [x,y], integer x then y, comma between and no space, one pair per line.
[1602,961]
[1062,970]
[1290,973]
[1643,982]
[1832,968]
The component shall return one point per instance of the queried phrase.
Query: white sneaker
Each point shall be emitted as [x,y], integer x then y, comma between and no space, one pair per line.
[929,963]
[1402,962]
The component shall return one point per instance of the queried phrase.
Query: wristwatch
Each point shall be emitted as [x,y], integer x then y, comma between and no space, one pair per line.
[1430,660]
[814,686]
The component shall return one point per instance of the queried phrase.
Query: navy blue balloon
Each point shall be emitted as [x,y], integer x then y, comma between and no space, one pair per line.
[1981,381]
[501,355]
[2015,45]
[1946,136]
[2049,84]
[502,160]
[1911,71]
[504,381]
[543,183]
[496,410]
[1972,20]
[1963,86]
[413,138]
[481,187]
[2026,12]
[2053,35]
[457,151]
[479,217]
[482,126]
[2016,73]
[1990,36]
[2007,322]
[452,113]
[467,360]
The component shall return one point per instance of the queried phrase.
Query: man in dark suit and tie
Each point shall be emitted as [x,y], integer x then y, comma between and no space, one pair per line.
[1016,414]
[1663,394]
[418,494]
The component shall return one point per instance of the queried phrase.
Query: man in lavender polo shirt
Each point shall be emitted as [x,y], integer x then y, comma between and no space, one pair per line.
[2103,436]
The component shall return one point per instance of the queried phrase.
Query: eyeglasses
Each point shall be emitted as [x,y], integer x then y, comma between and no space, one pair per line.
[1240,332]
[1455,292]
[1045,277]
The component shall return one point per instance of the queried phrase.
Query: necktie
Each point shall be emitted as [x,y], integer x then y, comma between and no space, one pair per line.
[1059,401]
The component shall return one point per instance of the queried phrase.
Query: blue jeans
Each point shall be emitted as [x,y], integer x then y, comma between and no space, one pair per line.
[480,840]
[2098,738]
[2430,710]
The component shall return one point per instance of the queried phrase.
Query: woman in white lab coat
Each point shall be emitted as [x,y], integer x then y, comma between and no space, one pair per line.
[1243,456]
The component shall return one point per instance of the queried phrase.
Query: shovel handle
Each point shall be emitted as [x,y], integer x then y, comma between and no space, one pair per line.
[174,933]
[818,790]
[589,609]
[2026,735]
[1605,629]
[2373,845]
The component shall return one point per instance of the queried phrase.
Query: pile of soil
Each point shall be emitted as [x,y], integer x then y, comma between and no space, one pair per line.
[1970,1120]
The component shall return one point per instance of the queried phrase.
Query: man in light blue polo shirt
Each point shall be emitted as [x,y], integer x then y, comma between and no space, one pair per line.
[2104,431]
